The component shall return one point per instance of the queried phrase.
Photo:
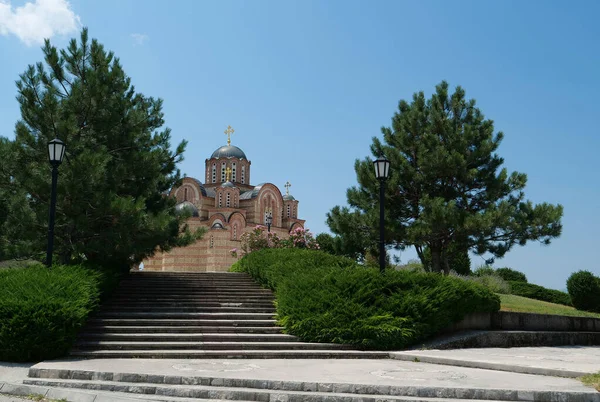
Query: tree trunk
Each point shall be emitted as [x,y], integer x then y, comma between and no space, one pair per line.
[445,263]
[421,256]
[436,259]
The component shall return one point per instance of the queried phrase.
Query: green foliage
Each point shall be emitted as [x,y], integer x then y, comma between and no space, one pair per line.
[509,274]
[492,282]
[41,309]
[537,292]
[259,238]
[325,298]
[458,260]
[447,185]
[111,203]
[584,289]
[484,270]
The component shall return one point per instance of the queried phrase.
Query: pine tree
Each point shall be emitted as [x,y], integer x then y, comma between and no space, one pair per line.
[112,206]
[447,184]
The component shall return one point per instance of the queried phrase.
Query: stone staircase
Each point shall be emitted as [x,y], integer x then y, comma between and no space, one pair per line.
[195,315]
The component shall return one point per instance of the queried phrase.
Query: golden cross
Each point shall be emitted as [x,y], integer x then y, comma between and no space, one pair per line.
[287,188]
[228,173]
[228,132]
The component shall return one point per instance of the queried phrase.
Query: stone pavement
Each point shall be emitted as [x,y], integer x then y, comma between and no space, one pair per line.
[563,361]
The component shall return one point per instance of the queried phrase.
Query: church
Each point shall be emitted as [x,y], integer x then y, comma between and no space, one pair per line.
[228,205]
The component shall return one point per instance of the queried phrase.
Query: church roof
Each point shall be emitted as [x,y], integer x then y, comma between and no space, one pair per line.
[186,205]
[227,184]
[289,197]
[202,189]
[229,151]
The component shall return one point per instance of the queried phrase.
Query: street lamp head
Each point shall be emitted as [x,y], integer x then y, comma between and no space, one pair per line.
[269,219]
[382,168]
[56,151]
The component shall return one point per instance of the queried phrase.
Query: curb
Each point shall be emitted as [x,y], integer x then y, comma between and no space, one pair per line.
[487,366]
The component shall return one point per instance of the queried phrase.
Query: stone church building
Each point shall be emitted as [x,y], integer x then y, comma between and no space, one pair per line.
[228,205]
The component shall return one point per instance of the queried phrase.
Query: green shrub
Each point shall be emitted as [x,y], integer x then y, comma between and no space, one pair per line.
[539,293]
[511,275]
[584,289]
[325,298]
[484,270]
[492,282]
[41,309]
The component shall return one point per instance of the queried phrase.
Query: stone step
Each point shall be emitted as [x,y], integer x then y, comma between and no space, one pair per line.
[141,286]
[199,309]
[183,329]
[234,323]
[166,315]
[186,337]
[226,345]
[196,304]
[206,392]
[208,299]
[229,354]
[203,293]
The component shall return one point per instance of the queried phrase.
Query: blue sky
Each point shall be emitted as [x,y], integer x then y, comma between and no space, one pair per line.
[307,84]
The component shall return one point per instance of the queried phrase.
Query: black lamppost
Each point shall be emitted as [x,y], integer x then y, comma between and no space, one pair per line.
[56,152]
[382,172]
[269,220]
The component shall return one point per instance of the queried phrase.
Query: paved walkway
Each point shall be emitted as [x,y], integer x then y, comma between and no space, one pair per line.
[565,361]
[368,372]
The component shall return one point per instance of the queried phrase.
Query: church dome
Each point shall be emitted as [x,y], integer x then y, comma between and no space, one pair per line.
[229,151]
[288,197]
[187,206]
[227,184]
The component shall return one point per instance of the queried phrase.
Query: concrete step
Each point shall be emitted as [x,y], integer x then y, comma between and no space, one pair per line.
[114,329]
[134,303]
[204,392]
[230,294]
[186,337]
[193,299]
[180,309]
[234,323]
[171,315]
[229,354]
[225,345]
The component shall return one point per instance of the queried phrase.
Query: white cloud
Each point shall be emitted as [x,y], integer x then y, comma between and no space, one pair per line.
[37,20]
[139,38]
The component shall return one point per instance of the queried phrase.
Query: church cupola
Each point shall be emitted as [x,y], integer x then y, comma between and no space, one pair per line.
[228,157]
[227,195]
[290,204]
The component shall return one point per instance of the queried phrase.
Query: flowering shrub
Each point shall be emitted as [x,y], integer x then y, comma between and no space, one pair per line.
[259,239]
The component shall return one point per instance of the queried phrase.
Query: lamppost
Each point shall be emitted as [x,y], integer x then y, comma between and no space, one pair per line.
[269,219]
[56,152]
[382,172]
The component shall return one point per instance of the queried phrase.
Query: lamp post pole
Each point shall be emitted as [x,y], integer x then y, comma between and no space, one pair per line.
[382,171]
[56,152]
[381,226]
[269,220]
[50,249]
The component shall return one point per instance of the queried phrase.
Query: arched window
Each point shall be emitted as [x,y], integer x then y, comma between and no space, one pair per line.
[185,194]
[235,231]
[220,200]
[212,241]
[243,174]
[223,172]
[233,178]
[288,211]
[228,200]
[294,216]
[214,173]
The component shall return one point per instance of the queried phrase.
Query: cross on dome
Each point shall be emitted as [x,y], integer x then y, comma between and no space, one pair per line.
[228,133]
[287,188]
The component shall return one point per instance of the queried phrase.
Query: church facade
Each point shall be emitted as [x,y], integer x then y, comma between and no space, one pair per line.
[228,205]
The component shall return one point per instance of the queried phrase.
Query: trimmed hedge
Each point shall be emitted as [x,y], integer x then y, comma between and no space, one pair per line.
[584,288]
[325,298]
[539,293]
[509,274]
[41,309]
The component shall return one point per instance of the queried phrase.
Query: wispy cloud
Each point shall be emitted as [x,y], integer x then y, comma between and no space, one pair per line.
[37,20]
[139,38]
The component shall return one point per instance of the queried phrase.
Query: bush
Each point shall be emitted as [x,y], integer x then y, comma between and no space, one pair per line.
[511,275]
[41,309]
[325,298]
[584,289]
[539,293]
[484,270]
[492,282]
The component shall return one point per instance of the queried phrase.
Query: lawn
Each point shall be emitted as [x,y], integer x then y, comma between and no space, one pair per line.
[524,305]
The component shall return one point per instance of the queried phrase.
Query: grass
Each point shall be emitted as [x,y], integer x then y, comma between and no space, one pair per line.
[524,305]
[592,380]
